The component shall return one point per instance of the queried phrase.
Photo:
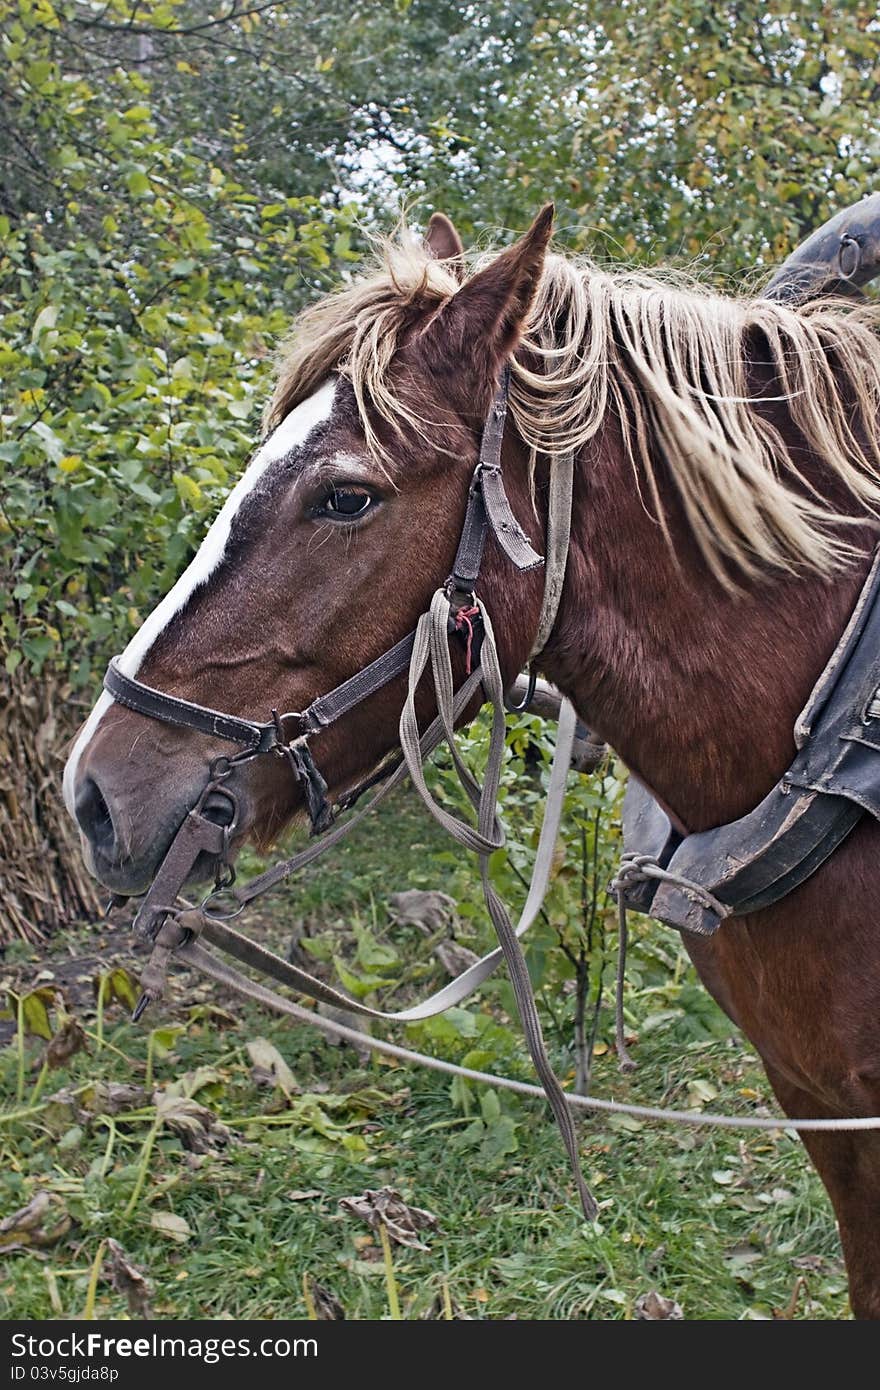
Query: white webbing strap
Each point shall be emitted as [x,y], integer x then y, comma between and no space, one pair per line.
[432,645]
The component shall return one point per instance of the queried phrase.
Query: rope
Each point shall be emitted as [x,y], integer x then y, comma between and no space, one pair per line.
[638,868]
[194,955]
[623,1057]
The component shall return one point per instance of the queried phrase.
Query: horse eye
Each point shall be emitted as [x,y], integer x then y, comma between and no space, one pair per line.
[347,502]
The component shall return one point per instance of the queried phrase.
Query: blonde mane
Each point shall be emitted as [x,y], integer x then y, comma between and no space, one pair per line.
[670,357]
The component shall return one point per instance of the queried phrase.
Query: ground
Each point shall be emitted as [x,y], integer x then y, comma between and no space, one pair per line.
[227,1196]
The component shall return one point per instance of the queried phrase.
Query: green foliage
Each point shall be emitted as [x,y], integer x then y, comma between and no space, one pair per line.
[722,130]
[138,302]
[179,176]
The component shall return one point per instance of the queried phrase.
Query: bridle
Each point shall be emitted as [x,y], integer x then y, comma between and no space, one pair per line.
[455,610]
[287,735]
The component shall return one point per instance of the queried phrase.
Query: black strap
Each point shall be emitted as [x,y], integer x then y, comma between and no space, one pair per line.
[330,707]
[171,709]
[469,556]
[488,506]
[255,737]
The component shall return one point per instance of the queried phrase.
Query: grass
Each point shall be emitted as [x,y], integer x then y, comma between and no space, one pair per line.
[248,1225]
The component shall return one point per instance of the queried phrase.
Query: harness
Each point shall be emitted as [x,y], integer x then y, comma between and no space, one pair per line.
[455,610]
[693,883]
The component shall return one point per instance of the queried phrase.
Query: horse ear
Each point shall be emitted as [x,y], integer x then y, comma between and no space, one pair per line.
[490,309]
[442,240]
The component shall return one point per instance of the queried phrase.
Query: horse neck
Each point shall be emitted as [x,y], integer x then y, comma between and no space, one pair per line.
[696,689]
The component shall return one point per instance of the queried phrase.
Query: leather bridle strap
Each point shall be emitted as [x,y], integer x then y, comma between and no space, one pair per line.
[171,709]
[488,507]
[254,737]
[173,928]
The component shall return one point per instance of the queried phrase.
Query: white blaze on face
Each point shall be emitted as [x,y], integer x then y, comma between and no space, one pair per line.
[293,432]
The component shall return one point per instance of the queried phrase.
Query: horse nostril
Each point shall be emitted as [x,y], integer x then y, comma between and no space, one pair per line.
[94,816]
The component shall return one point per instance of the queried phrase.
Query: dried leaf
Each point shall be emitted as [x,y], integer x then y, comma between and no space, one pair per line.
[741,1255]
[700,1093]
[430,911]
[811,1262]
[195,1125]
[384,1206]
[654,1307]
[43,1222]
[127,1279]
[327,1306]
[113,1097]
[69,1040]
[169,1224]
[270,1068]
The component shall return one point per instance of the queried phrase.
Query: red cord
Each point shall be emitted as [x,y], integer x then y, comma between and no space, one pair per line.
[464,618]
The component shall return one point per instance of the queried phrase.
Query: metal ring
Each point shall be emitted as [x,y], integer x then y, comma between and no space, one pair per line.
[214,788]
[845,241]
[527,698]
[207,905]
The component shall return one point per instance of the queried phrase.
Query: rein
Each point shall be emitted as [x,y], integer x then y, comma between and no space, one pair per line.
[455,609]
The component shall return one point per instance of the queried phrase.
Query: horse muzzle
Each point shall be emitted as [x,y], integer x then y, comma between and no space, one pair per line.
[125,842]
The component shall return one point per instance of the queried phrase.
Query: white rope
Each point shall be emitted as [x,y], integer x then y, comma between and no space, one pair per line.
[587,1102]
[195,956]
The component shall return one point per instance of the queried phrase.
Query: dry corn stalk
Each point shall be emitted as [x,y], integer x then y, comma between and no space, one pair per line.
[43,882]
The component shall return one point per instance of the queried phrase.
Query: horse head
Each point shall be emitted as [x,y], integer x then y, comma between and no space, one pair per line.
[325,554]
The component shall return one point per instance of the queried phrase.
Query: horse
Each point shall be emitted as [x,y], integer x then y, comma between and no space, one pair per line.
[726,496]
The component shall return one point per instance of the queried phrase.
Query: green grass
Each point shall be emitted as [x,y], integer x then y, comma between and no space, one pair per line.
[729,1225]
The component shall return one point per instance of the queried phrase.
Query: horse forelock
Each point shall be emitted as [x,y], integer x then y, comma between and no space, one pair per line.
[675,360]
